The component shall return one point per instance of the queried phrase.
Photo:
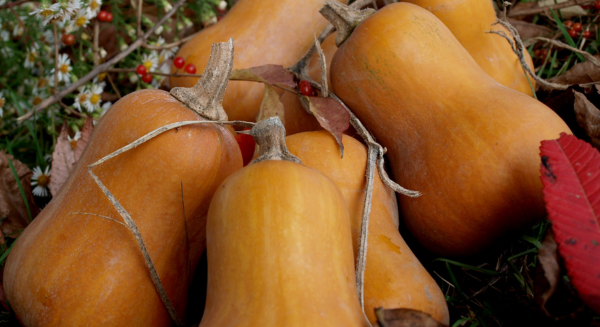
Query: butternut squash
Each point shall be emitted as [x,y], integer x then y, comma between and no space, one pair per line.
[453,133]
[394,277]
[469,20]
[265,32]
[279,246]
[76,265]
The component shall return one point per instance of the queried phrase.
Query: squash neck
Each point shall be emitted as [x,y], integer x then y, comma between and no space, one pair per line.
[270,136]
[344,18]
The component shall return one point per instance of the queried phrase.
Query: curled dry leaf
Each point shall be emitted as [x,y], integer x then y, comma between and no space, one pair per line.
[269,74]
[331,115]
[13,210]
[528,30]
[588,117]
[581,73]
[555,297]
[86,132]
[271,105]
[63,161]
[404,318]
[571,178]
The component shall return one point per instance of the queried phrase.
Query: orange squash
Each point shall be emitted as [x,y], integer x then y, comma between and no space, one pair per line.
[470,145]
[265,32]
[469,20]
[296,119]
[394,277]
[73,266]
[279,248]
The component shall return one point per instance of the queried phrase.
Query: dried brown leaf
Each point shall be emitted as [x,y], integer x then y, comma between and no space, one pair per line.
[528,30]
[581,73]
[549,271]
[86,132]
[588,117]
[271,105]
[269,74]
[331,115]
[405,318]
[13,211]
[63,161]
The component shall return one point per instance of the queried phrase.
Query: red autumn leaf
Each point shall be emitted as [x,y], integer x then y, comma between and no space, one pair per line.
[270,74]
[63,161]
[86,132]
[331,115]
[571,178]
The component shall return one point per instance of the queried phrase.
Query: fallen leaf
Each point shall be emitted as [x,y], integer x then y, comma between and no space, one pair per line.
[553,294]
[405,318]
[588,117]
[331,115]
[566,12]
[269,74]
[581,73]
[63,161]
[86,132]
[528,30]
[13,209]
[570,173]
[271,106]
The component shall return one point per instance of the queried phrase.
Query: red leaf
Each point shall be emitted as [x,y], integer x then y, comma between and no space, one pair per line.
[571,177]
[63,160]
[86,132]
[270,74]
[331,115]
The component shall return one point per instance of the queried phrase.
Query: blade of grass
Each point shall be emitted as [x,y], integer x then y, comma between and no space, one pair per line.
[461,321]
[456,263]
[565,33]
[14,172]
[532,240]
[552,63]
[454,281]
[5,254]
[30,126]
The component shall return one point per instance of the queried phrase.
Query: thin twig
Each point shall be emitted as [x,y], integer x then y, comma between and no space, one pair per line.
[139,19]
[546,9]
[13,4]
[55,91]
[112,84]
[588,56]
[100,68]
[95,43]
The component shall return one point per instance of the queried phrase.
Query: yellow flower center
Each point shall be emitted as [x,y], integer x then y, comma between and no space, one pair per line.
[43,180]
[93,5]
[46,12]
[94,99]
[64,68]
[80,21]
[37,100]
[101,77]
[148,64]
[73,144]
[42,82]
[31,57]
[161,59]
[82,98]
[2,102]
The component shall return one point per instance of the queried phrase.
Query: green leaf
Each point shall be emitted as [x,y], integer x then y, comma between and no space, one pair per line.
[456,263]
[14,172]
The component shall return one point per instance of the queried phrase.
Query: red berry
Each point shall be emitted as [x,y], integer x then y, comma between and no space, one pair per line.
[573,33]
[247,146]
[536,53]
[68,39]
[597,4]
[147,78]
[141,70]
[568,24]
[102,15]
[179,62]
[108,18]
[190,69]
[577,27]
[543,53]
[587,34]
[307,89]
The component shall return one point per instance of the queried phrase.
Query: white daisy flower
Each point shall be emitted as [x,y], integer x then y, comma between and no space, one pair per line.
[4,35]
[48,157]
[68,8]
[105,107]
[42,84]
[81,98]
[38,95]
[81,19]
[150,61]
[166,54]
[2,103]
[222,5]
[64,68]
[95,6]
[47,37]
[94,98]
[40,180]
[73,140]
[19,28]
[30,58]
[46,12]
